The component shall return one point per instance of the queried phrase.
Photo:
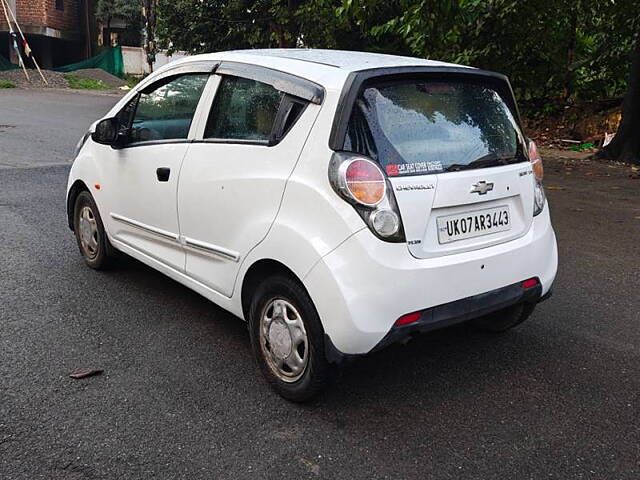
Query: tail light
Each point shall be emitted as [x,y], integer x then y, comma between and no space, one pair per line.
[361,182]
[364,181]
[536,160]
[539,197]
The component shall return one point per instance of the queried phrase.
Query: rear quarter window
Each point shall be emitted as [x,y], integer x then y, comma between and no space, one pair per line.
[243,109]
[414,127]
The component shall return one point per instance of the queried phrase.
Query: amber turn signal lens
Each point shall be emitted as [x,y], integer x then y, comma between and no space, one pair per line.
[536,160]
[365,182]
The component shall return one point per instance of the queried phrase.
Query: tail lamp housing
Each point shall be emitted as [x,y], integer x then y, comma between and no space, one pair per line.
[361,182]
[539,197]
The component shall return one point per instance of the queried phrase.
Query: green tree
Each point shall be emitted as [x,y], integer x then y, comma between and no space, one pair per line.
[625,146]
[554,51]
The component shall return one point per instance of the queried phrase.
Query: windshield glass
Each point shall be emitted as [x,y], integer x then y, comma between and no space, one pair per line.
[414,127]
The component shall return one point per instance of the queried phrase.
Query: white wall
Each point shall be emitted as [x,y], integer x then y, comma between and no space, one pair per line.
[135,62]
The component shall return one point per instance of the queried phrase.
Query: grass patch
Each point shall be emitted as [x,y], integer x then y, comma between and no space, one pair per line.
[132,80]
[7,84]
[82,83]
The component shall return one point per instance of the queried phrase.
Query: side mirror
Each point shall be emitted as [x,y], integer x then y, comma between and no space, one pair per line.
[106,131]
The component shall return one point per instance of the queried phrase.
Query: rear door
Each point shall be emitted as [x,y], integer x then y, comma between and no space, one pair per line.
[455,156]
[234,176]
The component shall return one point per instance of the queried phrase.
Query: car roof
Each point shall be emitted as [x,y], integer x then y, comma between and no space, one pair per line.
[329,68]
[343,59]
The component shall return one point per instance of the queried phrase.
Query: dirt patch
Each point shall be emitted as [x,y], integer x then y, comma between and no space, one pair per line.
[582,165]
[584,123]
[17,77]
[57,79]
[101,75]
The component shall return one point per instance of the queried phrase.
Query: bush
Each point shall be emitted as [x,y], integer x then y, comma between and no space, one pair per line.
[7,84]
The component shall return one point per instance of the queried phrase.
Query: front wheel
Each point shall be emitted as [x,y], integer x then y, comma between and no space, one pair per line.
[287,339]
[90,234]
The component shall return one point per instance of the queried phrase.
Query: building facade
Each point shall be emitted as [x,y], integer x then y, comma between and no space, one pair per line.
[59,32]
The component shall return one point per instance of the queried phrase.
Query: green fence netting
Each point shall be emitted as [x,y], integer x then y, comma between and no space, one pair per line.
[6,64]
[110,61]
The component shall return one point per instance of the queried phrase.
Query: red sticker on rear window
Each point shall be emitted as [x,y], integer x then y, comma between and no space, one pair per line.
[398,169]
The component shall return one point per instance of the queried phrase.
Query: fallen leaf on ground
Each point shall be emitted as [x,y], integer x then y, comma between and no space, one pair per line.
[310,464]
[85,373]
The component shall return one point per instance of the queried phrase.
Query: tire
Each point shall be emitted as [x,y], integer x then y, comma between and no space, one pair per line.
[505,319]
[91,237]
[297,341]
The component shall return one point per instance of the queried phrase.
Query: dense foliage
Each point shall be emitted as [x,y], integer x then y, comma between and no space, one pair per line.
[561,49]
[107,10]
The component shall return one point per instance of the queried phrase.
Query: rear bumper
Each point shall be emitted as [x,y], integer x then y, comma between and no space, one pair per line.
[362,287]
[462,310]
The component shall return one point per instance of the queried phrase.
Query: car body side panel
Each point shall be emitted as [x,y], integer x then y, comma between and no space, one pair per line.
[87,169]
[312,219]
[231,305]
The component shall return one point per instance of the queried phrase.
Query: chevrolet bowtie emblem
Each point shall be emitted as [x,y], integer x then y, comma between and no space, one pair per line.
[482,187]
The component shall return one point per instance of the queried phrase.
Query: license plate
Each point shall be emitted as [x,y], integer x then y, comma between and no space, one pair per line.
[473,224]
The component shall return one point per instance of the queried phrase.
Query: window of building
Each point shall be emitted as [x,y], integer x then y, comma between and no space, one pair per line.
[59,4]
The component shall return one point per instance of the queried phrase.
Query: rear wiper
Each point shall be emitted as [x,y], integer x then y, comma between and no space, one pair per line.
[489,160]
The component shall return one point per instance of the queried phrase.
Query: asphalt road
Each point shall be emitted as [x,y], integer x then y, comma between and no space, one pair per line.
[180,396]
[42,127]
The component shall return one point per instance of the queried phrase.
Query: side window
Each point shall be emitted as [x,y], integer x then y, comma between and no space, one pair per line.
[165,112]
[243,110]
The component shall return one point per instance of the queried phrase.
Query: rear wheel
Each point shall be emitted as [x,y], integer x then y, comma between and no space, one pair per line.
[505,319]
[287,339]
[90,234]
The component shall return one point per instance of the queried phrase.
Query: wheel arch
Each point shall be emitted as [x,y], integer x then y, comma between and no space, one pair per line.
[75,190]
[257,272]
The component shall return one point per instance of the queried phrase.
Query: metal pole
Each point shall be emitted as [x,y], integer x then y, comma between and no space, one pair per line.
[33,57]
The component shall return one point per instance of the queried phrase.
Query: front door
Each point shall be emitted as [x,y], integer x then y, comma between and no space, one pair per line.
[141,175]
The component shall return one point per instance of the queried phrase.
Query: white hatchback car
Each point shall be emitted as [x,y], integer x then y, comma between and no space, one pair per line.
[337,201]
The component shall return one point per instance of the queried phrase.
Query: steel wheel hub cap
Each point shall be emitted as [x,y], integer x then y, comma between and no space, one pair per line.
[88,230]
[280,340]
[283,340]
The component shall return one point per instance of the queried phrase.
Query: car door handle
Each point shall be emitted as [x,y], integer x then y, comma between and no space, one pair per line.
[163,174]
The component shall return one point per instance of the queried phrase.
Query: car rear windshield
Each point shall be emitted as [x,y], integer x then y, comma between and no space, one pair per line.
[414,127]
